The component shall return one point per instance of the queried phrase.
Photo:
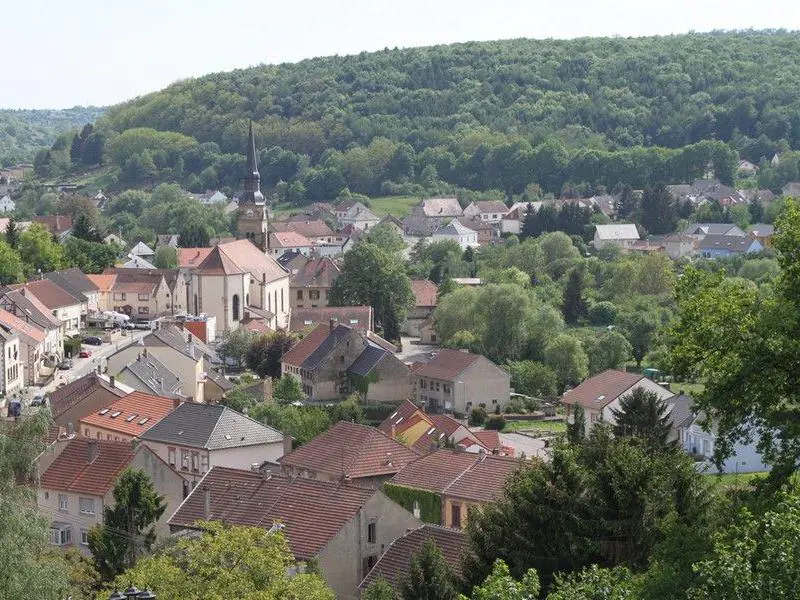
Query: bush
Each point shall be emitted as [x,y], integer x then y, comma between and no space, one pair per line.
[477,416]
[603,313]
[517,406]
[496,422]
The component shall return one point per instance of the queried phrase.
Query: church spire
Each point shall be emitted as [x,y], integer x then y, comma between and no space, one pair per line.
[252,180]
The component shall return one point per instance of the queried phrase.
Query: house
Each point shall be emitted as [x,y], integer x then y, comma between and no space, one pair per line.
[604,203]
[139,293]
[462,235]
[79,285]
[600,395]
[335,360]
[700,230]
[311,281]
[698,438]
[349,453]
[791,190]
[193,438]
[489,211]
[148,374]
[58,225]
[189,258]
[745,167]
[763,233]
[167,239]
[393,566]
[431,214]
[393,222]
[7,204]
[137,262]
[235,276]
[211,197]
[716,246]
[679,245]
[84,396]
[31,346]
[486,231]
[62,305]
[357,317]
[127,418]
[288,241]
[27,308]
[512,221]
[343,529]
[455,381]
[622,235]
[425,296]
[142,250]
[315,230]
[185,356]
[462,482]
[79,485]
[355,214]
[12,363]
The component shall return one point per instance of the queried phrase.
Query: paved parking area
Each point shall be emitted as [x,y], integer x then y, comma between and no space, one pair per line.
[413,351]
[522,443]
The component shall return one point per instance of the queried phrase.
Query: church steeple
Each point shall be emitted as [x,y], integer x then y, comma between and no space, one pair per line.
[252,180]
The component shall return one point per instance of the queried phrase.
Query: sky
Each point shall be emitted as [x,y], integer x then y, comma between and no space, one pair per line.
[61,53]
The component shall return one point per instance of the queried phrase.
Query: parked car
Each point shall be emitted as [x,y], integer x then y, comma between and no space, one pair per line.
[65,364]
[85,354]
[39,400]
[92,340]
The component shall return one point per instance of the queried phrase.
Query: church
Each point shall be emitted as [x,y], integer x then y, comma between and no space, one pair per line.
[239,279]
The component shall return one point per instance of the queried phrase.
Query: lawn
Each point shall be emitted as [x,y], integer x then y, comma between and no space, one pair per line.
[535,426]
[399,206]
[691,389]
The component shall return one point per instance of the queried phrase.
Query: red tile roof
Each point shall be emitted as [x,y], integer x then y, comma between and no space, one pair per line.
[491,206]
[477,477]
[446,423]
[397,420]
[138,412]
[71,471]
[447,364]
[394,564]
[489,438]
[19,326]
[218,263]
[288,239]
[311,228]
[351,450]
[425,292]
[54,223]
[298,353]
[104,282]
[602,389]
[50,294]
[192,257]
[312,512]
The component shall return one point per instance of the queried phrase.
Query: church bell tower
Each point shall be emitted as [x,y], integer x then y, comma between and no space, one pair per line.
[253,215]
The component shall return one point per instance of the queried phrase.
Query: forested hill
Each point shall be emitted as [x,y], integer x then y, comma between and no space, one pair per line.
[489,115]
[23,132]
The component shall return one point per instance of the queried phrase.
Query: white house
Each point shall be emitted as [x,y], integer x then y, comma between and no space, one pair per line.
[142,250]
[679,245]
[464,236]
[701,444]
[7,204]
[601,394]
[11,361]
[624,235]
[280,242]
[489,211]
[355,214]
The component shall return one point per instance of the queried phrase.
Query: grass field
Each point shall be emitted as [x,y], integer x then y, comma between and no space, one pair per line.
[536,426]
[688,388]
[399,206]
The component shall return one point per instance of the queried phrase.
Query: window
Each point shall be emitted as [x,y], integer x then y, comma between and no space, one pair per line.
[372,534]
[437,386]
[423,384]
[235,307]
[204,463]
[185,460]
[61,535]
[119,296]
[415,509]
[706,448]
[455,516]
[144,297]
[99,436]
[84,537]
[195,461]
[299,294]
[144,310]
[313,294]
[171,456]
[446,388]
[86,506]
[87,433]
[63,503]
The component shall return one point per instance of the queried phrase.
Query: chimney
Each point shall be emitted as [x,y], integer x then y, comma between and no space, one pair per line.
[332,324]
[112,380]
[91,451]
[176,402]
[206,503]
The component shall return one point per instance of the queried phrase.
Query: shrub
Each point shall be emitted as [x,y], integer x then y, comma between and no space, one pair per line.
[603,313]
[477,416]
[517,405]
[496,422]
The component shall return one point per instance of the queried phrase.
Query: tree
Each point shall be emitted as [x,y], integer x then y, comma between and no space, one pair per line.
[288,389]
[12,233]
[373,276]
[194,234]
[659,214]
[38,251]
[89,257]
[640,329]
[128,530]
[576,431]
[499,585]
[429,576]
[380,589]
[235,344]
[83,229]
[10,265]
[385,236]
[166,257]
[533,379]
[645,415]
[246,563]
[595,583]
[565,355]
[349,409]
[610,351]
[264,354]
[574,306]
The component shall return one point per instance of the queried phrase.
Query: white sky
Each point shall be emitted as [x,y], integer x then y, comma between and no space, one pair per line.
[60,53]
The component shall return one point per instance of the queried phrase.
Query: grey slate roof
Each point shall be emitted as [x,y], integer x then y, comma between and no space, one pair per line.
[210,426]
[74,281]
[154,376]
[733,243]
[713,229]
[328,344]
[681,413]
[367,360]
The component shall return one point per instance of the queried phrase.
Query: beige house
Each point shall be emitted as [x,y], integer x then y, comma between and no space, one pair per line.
[11,363]
[623,235]
[455,381]
[237,275]
[344,529]
[311,281]
[79,285]
[62,305]
[31,345]
[193,438]
[431,214]
[335,360]
[488,211]
[139,293]
[183,354]
[79,484]
[26,307]
[425,297]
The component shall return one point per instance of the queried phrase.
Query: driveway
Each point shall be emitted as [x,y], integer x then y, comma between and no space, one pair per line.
[523,443]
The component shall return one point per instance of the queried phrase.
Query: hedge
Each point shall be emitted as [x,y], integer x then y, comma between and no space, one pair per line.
[430,503]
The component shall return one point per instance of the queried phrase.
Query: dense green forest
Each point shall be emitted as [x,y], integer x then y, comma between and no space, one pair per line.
[23,132]
[483,116]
